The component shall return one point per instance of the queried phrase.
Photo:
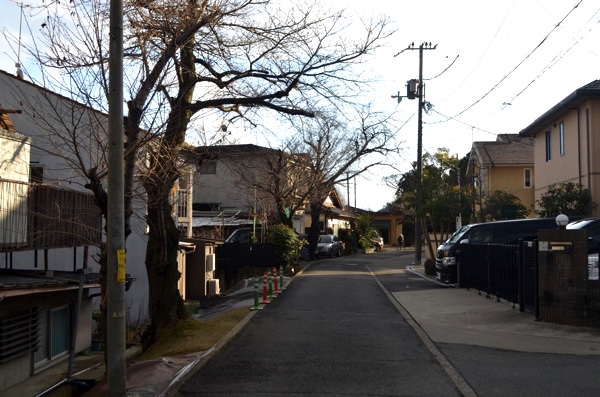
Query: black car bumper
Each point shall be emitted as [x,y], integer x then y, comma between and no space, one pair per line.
[445,273]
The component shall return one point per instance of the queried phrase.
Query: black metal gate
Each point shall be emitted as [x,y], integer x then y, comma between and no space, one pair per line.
[529,277]
[506,271]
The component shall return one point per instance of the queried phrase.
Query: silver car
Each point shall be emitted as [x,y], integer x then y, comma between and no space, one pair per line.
[330,245]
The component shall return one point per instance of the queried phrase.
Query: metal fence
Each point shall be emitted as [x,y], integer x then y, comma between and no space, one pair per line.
[245,255]
[239,261]
[491,268]
[562,294]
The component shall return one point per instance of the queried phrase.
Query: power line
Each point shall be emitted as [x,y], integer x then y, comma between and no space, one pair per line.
[443,71]
[554,61]
[522,61]
[482,55]
[448,118]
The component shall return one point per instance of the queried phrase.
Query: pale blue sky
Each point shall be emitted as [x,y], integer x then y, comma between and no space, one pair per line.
[496,53]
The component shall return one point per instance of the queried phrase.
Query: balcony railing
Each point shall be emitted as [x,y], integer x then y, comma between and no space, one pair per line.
[34,216]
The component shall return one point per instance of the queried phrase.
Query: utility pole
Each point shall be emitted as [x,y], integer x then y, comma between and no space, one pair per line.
[419,216]
[115,239]
[459,218]
[348,189]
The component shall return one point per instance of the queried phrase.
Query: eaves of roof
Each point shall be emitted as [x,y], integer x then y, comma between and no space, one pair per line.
[591,90]
[27,282]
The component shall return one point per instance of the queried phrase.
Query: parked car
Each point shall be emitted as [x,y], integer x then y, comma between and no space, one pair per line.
[592,225]
[243,235]
[330,245]
[501,232]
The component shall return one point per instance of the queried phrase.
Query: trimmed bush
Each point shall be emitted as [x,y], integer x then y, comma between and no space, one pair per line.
[286,244]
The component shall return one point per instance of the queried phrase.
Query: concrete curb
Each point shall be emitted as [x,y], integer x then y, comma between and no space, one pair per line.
[411,270]
[461,384]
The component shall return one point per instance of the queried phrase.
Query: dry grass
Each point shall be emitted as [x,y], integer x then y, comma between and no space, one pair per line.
[190,336]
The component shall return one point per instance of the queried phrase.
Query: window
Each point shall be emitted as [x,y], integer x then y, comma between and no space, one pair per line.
[54,335]
[561,138]
[548,146]
[527,177]
[36,174]
[207,167]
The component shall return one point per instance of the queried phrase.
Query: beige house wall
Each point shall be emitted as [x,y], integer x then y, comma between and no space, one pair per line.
[573,166]
[512,180]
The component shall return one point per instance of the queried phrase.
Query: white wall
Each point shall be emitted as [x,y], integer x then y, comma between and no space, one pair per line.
[50,121]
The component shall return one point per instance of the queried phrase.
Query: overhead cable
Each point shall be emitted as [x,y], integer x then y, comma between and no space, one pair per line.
[522,61]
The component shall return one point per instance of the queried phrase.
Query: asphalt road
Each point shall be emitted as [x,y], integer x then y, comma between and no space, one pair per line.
[338,331]
[333,332]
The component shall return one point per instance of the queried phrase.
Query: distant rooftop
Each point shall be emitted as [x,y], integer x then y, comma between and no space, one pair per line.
[508,149]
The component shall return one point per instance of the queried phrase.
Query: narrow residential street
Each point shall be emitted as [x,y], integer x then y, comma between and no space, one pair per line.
[333,332]
[340,329]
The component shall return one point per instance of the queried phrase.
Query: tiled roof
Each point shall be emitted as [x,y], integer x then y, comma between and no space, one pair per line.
[508,151]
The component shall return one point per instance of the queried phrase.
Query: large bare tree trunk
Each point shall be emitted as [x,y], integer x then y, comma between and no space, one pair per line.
[166,304]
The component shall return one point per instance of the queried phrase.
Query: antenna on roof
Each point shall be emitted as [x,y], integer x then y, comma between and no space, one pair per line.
[18,64]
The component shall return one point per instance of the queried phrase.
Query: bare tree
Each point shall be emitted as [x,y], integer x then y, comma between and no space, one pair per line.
[341,149]
[190,59]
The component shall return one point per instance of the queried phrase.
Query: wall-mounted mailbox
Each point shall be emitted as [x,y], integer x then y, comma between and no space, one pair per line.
[560,246]
[556,246]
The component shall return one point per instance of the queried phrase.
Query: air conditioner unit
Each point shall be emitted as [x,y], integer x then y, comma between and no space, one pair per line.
[213,287]
[210,263]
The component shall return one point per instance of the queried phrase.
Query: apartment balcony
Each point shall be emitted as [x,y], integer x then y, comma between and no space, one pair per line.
[35,216]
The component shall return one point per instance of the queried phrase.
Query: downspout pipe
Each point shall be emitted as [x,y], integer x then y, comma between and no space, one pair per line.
[589,160]
[576,109]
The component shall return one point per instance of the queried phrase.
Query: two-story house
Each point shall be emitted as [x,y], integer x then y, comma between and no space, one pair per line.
[45,309]
[507,165]
[56,125]
[567,143]
[231,183]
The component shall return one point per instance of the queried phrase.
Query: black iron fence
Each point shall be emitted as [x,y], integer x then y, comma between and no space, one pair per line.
[491,268]
[245,255]
[556,285]
[239,261]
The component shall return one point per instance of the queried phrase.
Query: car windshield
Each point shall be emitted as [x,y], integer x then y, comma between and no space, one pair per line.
[325,239]
[580,224]
[458,234]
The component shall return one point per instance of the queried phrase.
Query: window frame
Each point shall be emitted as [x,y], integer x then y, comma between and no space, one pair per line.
[548,145]
[207,167]
[527,180]
[561,138]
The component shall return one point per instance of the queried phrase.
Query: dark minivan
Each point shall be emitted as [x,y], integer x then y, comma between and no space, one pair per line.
[500,232]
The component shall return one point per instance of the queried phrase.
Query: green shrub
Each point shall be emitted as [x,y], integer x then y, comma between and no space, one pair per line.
[350,240]
[286,243]
[365,243]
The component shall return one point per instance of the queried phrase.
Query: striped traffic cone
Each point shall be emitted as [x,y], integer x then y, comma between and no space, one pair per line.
[276,292]
[256,304]
[281,282]
[271,296]
[265,299]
